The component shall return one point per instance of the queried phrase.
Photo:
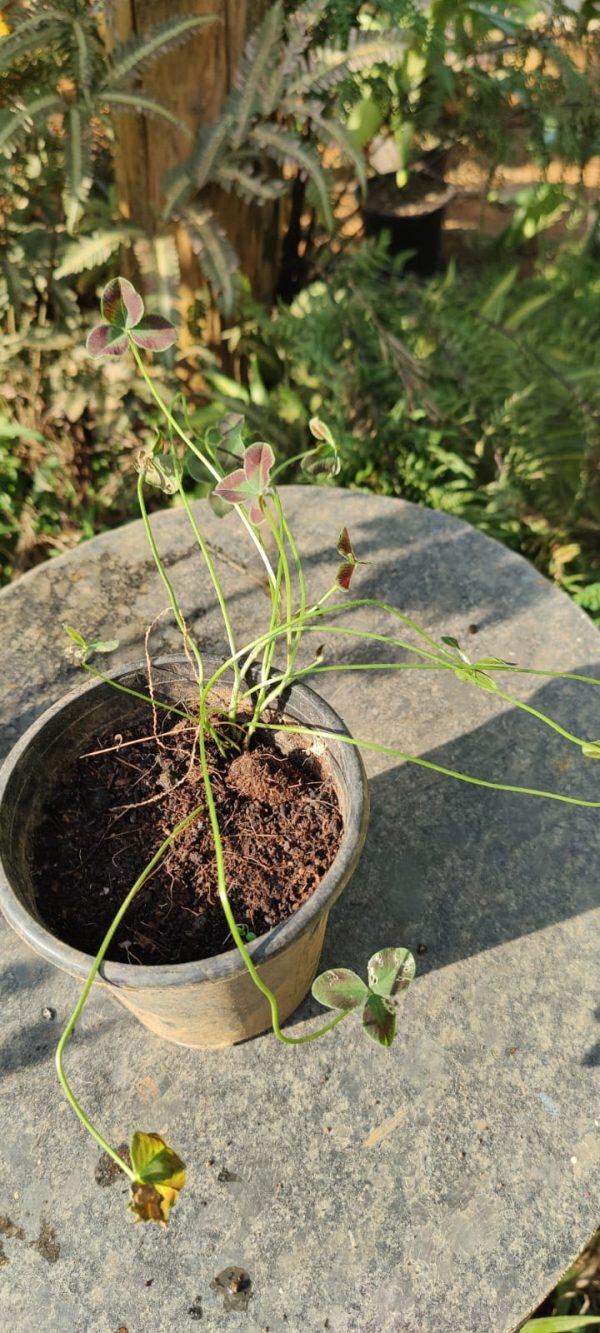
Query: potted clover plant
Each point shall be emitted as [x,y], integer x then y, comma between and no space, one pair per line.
[178,830]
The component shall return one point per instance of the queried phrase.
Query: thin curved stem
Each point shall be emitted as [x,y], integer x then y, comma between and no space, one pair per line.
[114,925]
[231,921]
[428,763]
[210,467]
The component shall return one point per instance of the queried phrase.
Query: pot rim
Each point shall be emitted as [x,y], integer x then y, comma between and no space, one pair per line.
[447,192]
[299,698]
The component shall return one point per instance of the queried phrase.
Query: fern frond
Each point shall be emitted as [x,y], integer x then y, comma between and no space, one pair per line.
[159,264]
[286,147]
[216,254]
[261,53]
[16,122]
[91,251]
[84,64]
[327,67]
[139,51]
[146,106]
[255,188]
[200,167]
[26,38]
[78,169]
[331,131]
[211,142]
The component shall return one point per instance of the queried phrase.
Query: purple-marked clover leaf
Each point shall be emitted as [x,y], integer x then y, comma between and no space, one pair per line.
[323,459]
[340,988]
[248,484]
[159,1176]
[122,310]
[379,1019]
[391,971]
[345,571]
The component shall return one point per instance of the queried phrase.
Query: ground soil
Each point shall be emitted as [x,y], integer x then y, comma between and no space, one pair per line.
[280,823]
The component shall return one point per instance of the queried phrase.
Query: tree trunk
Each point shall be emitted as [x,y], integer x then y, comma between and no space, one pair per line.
[192,80]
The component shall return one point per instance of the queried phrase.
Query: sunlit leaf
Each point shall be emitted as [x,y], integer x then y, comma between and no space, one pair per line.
[474,677]
[160,470]
[106,341]
[324,460]
[391,971]
[344,574]
[379,1019]
[591,749]
[248,484]
[103,645]
[340,988]
[75,635]
[159,1176]
[155,334]
[120,304]
[321,432]
[344,546]
[123,309]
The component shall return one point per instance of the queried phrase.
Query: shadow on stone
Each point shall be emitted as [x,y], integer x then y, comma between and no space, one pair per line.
[36,1044]
[450,869]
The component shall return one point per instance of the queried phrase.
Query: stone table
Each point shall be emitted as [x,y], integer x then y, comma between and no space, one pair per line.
[440,1187]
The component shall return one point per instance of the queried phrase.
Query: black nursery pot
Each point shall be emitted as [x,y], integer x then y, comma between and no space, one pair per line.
[412,216]
[212,1002]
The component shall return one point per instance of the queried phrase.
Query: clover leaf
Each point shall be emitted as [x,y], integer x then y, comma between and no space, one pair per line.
[250,483]
[159,1176]
[323,459]
[122,311]
[390,971]
[79,649]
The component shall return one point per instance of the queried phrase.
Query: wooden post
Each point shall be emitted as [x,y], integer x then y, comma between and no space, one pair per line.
[192,80]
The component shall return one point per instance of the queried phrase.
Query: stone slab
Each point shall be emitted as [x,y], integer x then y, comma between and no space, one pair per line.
[440,1187]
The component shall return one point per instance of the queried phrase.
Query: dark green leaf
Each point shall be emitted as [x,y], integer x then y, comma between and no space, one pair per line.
[379,1019]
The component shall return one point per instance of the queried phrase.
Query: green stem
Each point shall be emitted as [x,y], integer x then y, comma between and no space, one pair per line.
[231,921]
[187,637]
[115,923]
[137,694]
[287,582]
[535,712]
[219,595]
[427,763]
[210,467]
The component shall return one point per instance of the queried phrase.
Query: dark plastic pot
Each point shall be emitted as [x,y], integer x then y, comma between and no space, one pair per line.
[413,226]
[213,1002]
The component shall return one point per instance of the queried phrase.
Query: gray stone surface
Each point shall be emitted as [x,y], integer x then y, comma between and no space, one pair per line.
[440,1187]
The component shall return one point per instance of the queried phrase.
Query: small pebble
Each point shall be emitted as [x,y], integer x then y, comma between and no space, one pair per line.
[48,1013]
[421,948]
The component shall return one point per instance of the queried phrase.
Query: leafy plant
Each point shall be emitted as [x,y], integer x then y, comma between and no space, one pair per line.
[476,394]
[156,1173]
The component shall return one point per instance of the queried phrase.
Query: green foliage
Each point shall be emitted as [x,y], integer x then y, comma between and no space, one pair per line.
[60,83]
[273,128]
[477,395]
